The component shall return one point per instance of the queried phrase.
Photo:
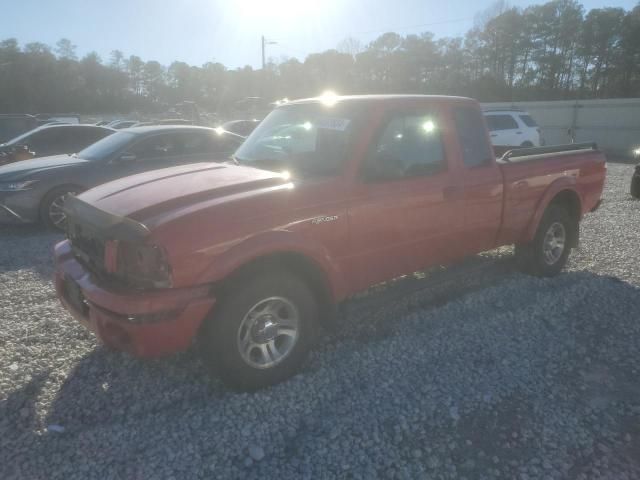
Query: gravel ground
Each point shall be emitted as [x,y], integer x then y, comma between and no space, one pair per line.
[471,372]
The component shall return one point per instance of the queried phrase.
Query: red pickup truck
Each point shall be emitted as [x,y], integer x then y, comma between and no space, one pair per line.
[327,197]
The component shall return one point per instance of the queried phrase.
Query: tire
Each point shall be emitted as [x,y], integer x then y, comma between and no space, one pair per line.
[250,341]
[527,144]
[635,186]
[50,213]
[544,257]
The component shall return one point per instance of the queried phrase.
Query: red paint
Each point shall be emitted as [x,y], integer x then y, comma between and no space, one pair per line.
[212,219]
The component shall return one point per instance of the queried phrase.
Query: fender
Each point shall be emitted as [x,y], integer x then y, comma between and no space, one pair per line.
[274,242]
[559,185]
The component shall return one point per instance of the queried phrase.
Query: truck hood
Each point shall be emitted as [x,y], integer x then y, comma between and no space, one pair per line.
[160,195]
[23,169]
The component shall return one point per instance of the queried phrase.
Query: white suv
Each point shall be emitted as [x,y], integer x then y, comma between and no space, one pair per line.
[513,128]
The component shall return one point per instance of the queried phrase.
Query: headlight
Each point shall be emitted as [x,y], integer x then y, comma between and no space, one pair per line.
[144,266]
[636,152]
[16,186]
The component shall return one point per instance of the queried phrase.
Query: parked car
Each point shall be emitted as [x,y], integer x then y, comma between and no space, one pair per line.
[241,127]
[35,190]
[165,121]
[635,178]
[251,257]
[12,125]
[513,128]
[48,118]
[120,124]
[51,140]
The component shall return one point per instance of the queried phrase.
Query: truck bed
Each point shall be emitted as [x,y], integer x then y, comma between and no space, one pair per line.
[529,173]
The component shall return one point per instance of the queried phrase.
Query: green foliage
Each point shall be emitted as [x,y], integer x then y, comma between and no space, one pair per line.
[548,51]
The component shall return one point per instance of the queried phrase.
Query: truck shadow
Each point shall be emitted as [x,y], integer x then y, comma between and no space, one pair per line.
[130,397]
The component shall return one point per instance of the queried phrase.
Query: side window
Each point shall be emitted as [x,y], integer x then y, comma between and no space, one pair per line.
[409,146]
[194,143]
[47,140]
[528,121]
[156,147]
[83,136]
[501,122]
[224,143]
[472,137]
[202,143]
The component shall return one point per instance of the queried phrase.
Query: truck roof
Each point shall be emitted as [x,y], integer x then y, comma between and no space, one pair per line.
[377,98]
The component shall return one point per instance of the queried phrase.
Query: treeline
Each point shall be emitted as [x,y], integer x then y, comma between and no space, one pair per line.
[550,51]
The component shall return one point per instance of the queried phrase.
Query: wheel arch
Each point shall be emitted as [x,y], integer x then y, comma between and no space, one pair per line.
[49,191]
[558,194]
[61,186]
[296,262]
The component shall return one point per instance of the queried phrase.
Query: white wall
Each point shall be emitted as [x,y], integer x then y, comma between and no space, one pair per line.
[614,124]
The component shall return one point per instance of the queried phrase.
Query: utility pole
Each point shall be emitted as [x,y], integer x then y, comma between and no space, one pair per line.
[264,43]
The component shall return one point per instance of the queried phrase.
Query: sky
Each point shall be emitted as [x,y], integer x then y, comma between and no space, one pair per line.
[229,32]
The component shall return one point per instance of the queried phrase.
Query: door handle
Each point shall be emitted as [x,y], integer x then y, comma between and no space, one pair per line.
[518,133]
[494,134]
[451,193]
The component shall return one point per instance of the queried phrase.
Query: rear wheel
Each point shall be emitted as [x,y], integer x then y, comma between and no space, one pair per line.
[547,254]
[262,330]
[51,209]
[527,144]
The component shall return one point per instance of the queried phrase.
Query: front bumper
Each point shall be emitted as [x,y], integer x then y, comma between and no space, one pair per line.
[143,323]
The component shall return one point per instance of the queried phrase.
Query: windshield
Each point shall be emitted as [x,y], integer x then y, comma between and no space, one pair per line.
[307,139]
[106,147]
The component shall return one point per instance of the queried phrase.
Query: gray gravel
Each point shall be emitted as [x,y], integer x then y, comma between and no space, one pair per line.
[470,372]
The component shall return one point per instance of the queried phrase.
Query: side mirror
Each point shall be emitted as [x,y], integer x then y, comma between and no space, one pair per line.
[127,157]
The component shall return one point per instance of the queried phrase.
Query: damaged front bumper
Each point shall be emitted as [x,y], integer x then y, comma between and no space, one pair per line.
[144,323]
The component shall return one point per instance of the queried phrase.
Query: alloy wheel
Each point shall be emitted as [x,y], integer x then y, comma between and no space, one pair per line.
[268,332]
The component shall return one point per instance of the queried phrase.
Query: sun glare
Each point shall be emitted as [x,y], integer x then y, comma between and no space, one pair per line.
[278,11]
[329,98]
[429,126]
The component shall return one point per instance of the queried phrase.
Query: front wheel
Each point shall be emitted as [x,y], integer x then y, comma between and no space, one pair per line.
[262,330]
[547,254]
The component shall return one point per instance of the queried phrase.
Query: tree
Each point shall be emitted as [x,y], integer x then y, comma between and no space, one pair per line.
[153,80]
[66,49]
[134,66]
[116,60]
[546,51]
[350,46]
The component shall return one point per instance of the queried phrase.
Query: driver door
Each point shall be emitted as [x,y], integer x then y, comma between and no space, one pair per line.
[405,215]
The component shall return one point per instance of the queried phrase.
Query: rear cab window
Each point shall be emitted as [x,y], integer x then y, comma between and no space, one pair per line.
[470,129]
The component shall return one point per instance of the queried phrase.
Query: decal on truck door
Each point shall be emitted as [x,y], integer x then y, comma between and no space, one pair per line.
[324,219]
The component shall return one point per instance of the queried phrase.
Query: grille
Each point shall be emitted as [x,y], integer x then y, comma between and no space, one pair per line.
[87,247]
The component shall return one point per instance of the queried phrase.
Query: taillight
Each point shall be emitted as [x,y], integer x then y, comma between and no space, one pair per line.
[142,265]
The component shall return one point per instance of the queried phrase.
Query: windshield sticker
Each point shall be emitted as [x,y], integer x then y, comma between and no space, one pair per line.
[329,123]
